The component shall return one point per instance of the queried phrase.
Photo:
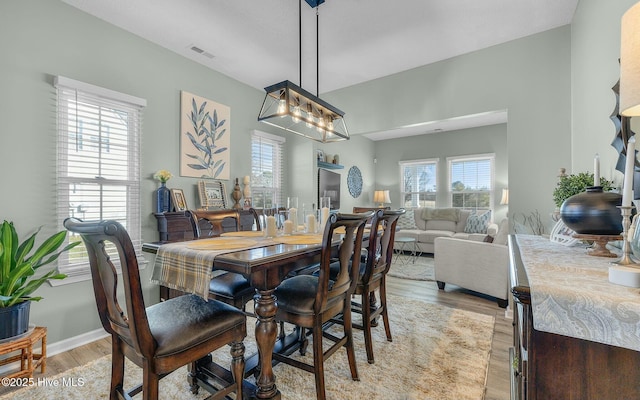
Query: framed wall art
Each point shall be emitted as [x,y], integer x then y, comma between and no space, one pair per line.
[213,194]
[205,137]
[179,201]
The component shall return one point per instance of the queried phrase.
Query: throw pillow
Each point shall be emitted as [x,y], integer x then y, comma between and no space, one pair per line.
[478,223]
[488,239]
[406,221]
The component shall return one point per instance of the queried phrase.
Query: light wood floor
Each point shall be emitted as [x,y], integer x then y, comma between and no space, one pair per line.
[498,374]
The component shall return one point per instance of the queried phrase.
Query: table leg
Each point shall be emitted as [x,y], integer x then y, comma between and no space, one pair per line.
[266,332]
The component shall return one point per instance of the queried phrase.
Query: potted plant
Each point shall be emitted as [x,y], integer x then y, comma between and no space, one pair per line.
[574,184]
[18,278]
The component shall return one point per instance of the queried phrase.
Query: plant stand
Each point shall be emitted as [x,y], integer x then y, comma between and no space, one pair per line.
[29,362]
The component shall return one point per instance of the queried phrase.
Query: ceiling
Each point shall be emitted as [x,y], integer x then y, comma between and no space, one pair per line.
[256,41]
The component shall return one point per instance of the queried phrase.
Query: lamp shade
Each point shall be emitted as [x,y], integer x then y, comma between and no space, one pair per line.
[630,63]
[382,197]
[505,197]
[293,109]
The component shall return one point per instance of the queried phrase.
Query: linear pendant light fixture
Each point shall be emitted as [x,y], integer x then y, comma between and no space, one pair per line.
[290,107]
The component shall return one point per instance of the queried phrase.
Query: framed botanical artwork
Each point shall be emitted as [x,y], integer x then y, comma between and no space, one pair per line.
[213,194]
[205,137]
[179,201]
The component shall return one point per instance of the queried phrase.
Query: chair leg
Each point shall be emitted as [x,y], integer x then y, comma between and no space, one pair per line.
[237,366]
[318,360]
[372,306]
[117,368]
[366,327]
[149,382]
[348,332]
[383,304]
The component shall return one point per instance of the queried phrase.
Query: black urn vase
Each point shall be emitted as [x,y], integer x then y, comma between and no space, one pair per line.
[593,212]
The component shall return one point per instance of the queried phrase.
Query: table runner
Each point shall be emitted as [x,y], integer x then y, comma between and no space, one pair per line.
[571,294]
[187,266]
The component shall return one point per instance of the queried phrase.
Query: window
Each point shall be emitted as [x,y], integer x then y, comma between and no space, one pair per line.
[471,181]
[98,163]
[266,169]
[419,183]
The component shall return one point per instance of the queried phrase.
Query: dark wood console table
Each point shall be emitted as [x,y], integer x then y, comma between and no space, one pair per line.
[548,365]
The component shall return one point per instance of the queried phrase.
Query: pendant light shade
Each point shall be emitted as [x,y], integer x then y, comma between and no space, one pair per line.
[293,109]
[290,107]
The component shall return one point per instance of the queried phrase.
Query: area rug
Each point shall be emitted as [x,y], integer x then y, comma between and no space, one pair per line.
[437,353]
[416,268]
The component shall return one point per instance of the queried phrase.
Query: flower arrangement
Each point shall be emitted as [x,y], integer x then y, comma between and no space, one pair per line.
[162,175]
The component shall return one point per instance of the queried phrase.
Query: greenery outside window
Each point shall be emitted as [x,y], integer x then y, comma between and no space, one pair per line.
[471,181]
[418,183]
[98,164]
[267,169]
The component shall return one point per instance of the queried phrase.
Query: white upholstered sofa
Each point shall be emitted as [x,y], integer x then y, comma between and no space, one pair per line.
[478,266]
[426,224]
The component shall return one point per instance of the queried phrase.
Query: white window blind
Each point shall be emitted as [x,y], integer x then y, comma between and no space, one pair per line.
[419,183]
[471,182]
[98,163]
[267,169]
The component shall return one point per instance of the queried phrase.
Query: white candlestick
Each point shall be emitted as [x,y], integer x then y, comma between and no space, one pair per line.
[311,223]
[288,227]
[324,216]
[596,170]
[271,226]
[627,189]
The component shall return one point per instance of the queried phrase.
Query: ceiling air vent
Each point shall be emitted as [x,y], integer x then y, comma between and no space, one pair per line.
[201,51]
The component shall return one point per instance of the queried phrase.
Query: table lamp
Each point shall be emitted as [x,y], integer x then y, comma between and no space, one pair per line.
[382,197]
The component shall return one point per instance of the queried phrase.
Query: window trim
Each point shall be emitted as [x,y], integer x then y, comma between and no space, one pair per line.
[472,157]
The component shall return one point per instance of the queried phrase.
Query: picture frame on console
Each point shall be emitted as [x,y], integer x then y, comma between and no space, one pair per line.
[213,194]
[179,201]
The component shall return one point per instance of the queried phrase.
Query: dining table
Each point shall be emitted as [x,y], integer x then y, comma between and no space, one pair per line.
[265,261]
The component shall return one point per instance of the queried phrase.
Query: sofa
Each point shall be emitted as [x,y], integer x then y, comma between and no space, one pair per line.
[425,224]
[482,267]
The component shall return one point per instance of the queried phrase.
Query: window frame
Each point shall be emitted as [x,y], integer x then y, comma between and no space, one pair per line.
[415,196]
[473,157]
[67,91]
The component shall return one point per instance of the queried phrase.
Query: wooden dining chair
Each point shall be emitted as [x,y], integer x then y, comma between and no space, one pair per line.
[160,338]
[229,287]
[373,276]
[309,301]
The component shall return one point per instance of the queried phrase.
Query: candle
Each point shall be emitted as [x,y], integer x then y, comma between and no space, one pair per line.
[293,216]
[271,226]
[324,216]
[596,170]
[288,227]
[246,180]
[627,189]
[311,223]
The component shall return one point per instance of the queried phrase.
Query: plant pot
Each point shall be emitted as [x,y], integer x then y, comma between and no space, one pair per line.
[14,320]
[593,212]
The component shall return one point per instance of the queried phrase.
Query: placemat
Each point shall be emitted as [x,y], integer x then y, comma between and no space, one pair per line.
[300,239]
[220,243]
[243,234]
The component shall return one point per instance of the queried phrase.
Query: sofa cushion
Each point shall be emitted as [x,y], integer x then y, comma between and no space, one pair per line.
[429,236]
[476,237]
[406,220]
[478,223]
[503,232]
[440,225]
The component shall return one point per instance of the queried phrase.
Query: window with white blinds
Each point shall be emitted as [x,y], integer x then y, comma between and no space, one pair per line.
[98,163]
[419,183]
[267,169]
[471,181]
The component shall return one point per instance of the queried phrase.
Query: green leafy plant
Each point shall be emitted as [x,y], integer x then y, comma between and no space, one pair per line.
[574,184]
[18,269]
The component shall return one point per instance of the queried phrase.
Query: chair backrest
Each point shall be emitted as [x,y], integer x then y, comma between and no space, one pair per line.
[380,251]
[348,252]
[215,219]
[132,326]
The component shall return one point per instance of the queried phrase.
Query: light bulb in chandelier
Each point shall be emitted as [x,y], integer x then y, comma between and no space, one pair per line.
[282,107]
[296,114]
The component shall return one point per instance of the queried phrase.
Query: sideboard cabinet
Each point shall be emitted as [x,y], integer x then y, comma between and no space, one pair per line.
[548,366]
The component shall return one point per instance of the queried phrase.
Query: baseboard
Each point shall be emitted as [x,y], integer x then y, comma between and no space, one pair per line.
[76,341]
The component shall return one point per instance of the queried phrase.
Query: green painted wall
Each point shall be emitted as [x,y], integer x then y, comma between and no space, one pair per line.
[529,77]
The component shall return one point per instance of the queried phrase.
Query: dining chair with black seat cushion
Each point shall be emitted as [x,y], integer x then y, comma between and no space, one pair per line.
[160,338]
[309,301]
[372,276]
[229,287]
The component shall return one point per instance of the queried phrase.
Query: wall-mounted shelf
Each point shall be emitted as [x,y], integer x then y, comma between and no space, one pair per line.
[322,164]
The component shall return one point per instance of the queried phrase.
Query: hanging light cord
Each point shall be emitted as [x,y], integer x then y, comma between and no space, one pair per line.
[317,52]
[300,41]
